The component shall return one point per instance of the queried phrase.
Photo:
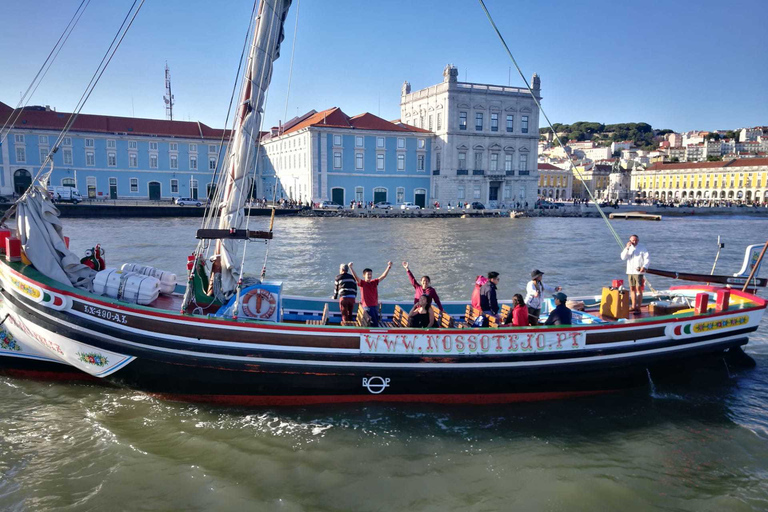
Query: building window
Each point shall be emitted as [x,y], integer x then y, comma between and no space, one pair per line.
[337,140]
[173,146]
[523,162]
[89,143]
[174,186]
[460,192]
[132,144]
[134,184]
[494,122]
[379,162]
[358,161]
[439,121]
[212,163]
[42,139]
[420,162]
[133,160]
[479,121]
[193,163]
[400,143]
[422,144]
[68,182]
[18,138]
[524,124]
[400,162]
[508,162]
[174,161]
[462,120]
[462,160]
[153,146]
[478,160]
[430,122]
[437,161]
[90,159]
[379,142]
[494,161]
[153,161]
[67,155]
[359,194]
[358,142]
[476,192]
[111,144]
[213,148]
[193,148]
[400,195]
[90,183]
[111,159]
[337,160]
[507,192]
[21,155]
[43,155]
[67,141]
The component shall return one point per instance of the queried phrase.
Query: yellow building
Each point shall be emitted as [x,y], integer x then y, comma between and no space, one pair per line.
[554,182]
[742,180]
[594,176]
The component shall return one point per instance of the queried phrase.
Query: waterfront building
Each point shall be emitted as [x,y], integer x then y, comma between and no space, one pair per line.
[328,155]
[554,182]
[108,157]
[737,180]
[485,139]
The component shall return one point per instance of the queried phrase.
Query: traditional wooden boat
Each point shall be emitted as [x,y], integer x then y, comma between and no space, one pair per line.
[224,339]
[634,216]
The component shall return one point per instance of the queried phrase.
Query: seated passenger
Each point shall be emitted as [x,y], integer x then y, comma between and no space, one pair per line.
[519,311]
[421,315]
[561,315]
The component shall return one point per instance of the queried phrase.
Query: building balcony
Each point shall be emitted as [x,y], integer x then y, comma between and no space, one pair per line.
[478,172]
[462,172]
[510,173]
[523,173]
[436,172]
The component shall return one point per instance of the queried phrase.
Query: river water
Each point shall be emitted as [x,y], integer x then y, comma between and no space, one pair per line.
[696,444]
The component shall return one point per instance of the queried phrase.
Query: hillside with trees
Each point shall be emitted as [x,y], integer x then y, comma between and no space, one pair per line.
[641,134]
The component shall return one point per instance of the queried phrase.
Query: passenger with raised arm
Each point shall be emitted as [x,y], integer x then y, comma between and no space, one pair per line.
[421,314]
[369,291]
[637,258]
[425,288]
[534,295]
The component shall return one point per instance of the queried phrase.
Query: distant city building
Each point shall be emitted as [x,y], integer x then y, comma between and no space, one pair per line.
[742,180]
[108,157]
[618,147]
[486,139]
[555,182]
[330,156]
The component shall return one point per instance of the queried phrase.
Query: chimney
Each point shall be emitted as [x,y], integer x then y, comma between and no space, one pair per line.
[275,131]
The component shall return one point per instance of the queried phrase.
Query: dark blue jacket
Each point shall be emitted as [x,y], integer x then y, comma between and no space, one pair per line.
[561,315]
[488,298]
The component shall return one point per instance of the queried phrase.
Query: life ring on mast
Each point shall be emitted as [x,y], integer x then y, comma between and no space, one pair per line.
[254,309]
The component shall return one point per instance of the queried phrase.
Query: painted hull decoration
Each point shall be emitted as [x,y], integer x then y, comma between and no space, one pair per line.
[251,362]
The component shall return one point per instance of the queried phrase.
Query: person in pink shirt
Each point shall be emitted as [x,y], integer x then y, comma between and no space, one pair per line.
[369,291]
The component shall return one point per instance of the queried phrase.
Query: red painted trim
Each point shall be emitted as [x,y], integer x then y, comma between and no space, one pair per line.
[477,399]
[734,291]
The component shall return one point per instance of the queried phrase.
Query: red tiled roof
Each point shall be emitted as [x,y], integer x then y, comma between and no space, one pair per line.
[549,167]
[52,120]
[743,162]
[336,118]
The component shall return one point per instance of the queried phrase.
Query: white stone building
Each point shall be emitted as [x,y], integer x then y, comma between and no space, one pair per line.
[486,139]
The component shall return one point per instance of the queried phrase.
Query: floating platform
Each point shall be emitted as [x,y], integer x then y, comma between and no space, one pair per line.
[634,216]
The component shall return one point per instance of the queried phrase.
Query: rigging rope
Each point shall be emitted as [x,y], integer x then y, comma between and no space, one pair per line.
[46,66]
[535,99]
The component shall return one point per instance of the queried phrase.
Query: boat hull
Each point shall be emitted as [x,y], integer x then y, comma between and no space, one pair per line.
[198,359]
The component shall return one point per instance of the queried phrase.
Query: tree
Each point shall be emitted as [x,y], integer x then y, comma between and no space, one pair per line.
[714,158]
[674,159]
[713,136]
[730,134]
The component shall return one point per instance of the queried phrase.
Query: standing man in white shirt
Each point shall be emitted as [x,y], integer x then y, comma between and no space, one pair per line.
[637,258]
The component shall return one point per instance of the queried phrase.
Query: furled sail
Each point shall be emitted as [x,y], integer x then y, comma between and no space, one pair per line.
[41,237]
[236,180]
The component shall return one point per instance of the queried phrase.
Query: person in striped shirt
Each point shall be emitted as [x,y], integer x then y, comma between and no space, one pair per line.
[346,291]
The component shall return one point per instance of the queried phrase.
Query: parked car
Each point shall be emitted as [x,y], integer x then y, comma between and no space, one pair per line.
[546,205]
[329,205]
[477,206]
[384,205]
[409,206]
[188,201]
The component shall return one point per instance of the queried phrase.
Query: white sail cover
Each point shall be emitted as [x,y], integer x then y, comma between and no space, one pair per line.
[265,48]
[40,232]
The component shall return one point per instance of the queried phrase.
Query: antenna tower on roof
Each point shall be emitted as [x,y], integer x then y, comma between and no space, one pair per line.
[168,98]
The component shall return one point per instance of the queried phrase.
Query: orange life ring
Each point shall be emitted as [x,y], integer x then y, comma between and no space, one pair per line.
[261,296]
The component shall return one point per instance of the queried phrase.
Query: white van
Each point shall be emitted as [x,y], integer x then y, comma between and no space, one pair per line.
[65,194]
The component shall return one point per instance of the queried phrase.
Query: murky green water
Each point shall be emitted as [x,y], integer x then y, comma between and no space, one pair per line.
[699,444]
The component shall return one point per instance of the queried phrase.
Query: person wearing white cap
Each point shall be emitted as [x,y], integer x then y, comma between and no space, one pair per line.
[533,295]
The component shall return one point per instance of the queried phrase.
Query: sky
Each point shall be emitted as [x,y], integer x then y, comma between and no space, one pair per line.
[672,64]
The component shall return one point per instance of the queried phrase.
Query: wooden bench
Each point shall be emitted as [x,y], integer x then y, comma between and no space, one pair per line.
[506,314]
[442,319]
[363,319]
[400,318]
[323,320]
